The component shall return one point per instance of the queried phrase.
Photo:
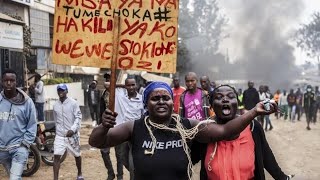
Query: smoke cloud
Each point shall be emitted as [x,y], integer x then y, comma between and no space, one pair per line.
[260,34]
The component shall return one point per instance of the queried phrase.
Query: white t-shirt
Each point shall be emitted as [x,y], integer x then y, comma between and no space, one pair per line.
[127,109]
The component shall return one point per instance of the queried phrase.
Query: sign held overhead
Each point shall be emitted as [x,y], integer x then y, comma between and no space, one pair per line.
[83,34]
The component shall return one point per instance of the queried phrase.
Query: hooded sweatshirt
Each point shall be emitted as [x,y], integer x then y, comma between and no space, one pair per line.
[18,125]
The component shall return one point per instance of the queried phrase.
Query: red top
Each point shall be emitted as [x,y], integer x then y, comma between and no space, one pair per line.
[176,98]
[233,160]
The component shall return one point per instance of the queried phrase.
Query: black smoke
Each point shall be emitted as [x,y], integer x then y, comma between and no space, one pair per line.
[261,32]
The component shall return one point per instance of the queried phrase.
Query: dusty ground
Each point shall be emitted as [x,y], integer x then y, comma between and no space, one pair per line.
[296,149]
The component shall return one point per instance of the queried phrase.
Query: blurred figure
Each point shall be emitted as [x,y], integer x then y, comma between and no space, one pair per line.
[39,97]
[299,109]
[291,98]
[250,96]
[283,104]
[267,117]
[316,104]
[276,98]
[240,99]
[93,102]
[177,91]
[308,104]
[205,84]
[213,85]
[262,97]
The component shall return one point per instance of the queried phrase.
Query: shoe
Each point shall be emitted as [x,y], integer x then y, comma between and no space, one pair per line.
[111,177]
[308,128]
[94,123]
[270,128]
[80,178]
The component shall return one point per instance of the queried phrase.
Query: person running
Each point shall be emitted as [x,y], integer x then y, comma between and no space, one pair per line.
[177,91]
[291,98]
[161,140]
[241,156]
[18,125]
[67,116]
[308,104]
[93,102]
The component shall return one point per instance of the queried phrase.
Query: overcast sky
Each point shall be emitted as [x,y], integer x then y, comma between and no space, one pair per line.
[231,9]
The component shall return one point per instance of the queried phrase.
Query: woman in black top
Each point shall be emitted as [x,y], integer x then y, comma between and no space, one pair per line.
[160,140]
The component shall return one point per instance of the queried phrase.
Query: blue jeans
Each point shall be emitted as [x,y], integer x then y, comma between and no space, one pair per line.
[268,122]
[292,112]
[14,161]
[40,114]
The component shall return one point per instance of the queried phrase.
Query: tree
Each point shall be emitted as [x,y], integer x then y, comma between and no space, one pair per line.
[208,24]
[308,38]
[183,57]
[199,21]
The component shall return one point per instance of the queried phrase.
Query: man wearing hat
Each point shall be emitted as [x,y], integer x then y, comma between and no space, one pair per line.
[67,115]
[93,101]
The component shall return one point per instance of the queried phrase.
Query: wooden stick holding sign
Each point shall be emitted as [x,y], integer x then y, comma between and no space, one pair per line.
[113,78]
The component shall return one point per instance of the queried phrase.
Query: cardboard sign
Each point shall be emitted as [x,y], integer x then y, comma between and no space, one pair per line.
[147,41]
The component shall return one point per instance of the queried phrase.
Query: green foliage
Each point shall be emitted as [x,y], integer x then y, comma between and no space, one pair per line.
[308,37]
[57,81]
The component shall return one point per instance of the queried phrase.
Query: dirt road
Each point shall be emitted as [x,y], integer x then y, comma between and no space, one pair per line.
[296,149]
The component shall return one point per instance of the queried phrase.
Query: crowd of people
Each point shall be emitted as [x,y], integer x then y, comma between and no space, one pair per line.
[160,133]
[194,124]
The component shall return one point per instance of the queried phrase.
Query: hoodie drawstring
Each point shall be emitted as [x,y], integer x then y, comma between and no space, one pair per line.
[9,113]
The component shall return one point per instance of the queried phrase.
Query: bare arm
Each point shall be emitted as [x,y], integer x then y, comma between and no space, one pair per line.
[106,135]
[212,132]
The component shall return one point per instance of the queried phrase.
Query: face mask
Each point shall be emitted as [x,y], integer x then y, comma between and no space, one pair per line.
[308,90]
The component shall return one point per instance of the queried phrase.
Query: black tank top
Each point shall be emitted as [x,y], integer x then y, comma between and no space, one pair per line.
[169,161]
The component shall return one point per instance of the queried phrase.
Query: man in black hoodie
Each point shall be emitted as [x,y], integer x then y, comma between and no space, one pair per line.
[250,96]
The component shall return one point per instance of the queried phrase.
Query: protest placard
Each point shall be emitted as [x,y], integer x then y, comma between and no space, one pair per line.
[83,34]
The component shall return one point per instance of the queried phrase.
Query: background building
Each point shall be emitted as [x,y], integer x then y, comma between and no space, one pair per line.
[14,15]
